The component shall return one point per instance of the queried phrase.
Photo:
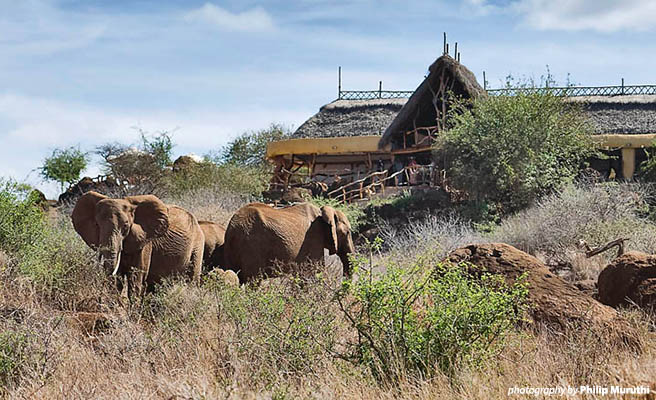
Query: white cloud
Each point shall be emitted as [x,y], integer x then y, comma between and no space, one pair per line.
[253,20]
[30,128]
[595,15]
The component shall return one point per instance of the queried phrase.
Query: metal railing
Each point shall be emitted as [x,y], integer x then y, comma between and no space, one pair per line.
[564,91]
[373,94]
[576,91]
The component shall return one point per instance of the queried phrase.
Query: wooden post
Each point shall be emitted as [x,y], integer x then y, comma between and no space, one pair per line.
[484,82]
[339,83]
[628,163]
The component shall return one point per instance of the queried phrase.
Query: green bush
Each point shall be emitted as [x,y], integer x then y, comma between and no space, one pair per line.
[416,320]
[229,178]
[13,349]
[511,150]
[21,220]
[647,168]
[249,148]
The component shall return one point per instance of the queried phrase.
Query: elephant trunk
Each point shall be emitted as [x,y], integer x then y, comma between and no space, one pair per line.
[110,254]
[343,254]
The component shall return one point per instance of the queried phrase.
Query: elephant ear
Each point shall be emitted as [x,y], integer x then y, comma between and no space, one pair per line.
[328,215]
[151,217]
[84,218]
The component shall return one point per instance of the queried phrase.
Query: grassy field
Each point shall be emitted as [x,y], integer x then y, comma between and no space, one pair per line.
[66,333]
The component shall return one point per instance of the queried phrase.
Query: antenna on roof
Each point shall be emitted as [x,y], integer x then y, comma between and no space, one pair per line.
[339,82]
[444,48]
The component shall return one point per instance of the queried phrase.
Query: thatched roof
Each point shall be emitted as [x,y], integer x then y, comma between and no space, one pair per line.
[420,110]
[351,118]
[620,114]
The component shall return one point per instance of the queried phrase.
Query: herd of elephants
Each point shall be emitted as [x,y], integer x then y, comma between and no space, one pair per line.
[145,240]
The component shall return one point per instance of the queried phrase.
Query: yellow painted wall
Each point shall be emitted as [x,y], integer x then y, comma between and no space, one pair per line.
[334,145]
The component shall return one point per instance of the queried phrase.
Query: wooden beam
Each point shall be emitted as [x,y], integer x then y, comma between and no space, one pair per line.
[628,163]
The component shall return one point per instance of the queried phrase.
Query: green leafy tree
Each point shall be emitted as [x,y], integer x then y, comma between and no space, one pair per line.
[64,166]
[510,150]
[249,148]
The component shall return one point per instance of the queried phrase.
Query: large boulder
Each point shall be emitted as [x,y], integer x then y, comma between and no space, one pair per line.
[630,278]
[554,303]
[106,186]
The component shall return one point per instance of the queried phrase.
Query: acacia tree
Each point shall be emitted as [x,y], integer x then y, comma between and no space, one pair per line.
[510,150]
[141,168]
[64,166]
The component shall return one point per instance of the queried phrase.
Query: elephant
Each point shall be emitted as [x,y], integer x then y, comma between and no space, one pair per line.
[213,251]
[259,235]
[140,237]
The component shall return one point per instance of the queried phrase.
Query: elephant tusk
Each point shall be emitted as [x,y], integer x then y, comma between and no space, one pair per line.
[118,263]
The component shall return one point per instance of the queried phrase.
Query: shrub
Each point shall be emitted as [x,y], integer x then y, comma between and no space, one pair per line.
[13,346]
[249,148]
[143,167]
[439,234]
[21,219]
[64,166]
[231,178]
[283,327]
[513,149]
[595,213]
[415,319]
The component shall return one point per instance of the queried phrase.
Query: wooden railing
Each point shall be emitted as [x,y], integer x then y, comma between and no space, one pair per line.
[423,174]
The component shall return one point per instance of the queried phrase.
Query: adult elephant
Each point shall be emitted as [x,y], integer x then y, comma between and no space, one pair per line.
[141,237]
[259,235]
[213,250]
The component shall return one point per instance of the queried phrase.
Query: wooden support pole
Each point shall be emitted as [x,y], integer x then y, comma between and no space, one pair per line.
[628,163]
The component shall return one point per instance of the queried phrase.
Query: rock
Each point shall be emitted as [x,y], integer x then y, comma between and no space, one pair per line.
[228,277]
[588,286]
[554,303]
[296,195]
[39,199]
[185,163]
[630,278]
[104,186]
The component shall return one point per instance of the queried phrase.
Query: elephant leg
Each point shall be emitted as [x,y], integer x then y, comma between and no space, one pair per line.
[139,265]
[195,264]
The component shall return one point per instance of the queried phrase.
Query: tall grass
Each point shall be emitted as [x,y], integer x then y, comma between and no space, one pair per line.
[65,333]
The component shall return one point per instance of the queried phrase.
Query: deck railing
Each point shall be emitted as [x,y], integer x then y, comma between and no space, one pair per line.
[564,91]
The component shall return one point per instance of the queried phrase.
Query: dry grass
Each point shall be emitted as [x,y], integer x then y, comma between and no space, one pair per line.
[280,339]
[210,205]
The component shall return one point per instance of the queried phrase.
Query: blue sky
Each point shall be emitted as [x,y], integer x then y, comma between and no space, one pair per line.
[85,72]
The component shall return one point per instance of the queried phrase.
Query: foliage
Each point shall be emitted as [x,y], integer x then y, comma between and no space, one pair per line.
[513,149]
[224,177]
[145,165]
[353,212]
[414,319]
[21,219]
[595,213]
[64,166]
[647,168]
[285,324]
[249,148]
[13,347]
